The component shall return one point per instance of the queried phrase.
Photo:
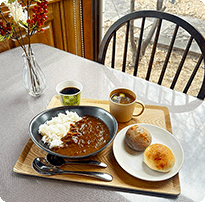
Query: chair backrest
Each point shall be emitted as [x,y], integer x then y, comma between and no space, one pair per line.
[165,39]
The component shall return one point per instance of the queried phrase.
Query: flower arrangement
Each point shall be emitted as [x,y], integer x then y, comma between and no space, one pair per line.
[25,18]
[22,16]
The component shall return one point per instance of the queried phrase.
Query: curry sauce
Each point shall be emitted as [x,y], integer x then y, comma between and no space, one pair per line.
[85,136]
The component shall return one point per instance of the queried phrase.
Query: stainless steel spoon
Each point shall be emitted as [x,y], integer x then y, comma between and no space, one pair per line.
[41,166]
[58,161]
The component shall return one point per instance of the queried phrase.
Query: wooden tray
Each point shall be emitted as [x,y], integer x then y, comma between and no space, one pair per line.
[157,115]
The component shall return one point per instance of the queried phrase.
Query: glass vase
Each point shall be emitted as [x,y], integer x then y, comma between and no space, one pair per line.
[33,77]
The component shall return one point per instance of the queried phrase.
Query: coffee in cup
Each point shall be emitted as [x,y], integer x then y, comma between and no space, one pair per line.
[69,92]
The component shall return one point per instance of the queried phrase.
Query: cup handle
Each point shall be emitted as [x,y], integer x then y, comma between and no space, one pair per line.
[143,107]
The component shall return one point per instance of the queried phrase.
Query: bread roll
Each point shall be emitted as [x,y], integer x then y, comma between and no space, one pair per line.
[159,157]
[138,138]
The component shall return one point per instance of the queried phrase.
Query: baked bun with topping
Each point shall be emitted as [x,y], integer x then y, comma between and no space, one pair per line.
[159,157]
[138,138]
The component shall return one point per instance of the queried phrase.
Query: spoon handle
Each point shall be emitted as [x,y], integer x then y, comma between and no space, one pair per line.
[88,162]
[99,175]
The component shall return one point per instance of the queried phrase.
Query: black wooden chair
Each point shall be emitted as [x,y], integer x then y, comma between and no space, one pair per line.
[193,38]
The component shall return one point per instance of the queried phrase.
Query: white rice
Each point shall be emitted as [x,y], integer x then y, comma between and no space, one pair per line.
[53,130]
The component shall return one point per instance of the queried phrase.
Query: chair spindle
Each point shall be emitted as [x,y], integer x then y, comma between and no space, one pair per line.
[181,63]
[193,74]
[125,48]
[113,50]
[139,47]
[168,55]
[153,50]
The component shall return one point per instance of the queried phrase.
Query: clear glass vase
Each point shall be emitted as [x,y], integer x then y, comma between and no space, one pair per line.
[33,77]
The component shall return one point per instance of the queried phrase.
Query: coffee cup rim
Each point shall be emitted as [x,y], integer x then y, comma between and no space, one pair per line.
[67,81]
[123,88]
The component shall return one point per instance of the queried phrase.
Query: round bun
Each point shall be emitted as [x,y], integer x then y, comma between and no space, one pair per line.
[138,138]
[159,157]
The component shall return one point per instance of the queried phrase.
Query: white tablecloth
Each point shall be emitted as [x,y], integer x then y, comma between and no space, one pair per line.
[17,108]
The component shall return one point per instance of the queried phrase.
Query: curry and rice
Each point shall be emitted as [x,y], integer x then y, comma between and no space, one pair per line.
[71,135]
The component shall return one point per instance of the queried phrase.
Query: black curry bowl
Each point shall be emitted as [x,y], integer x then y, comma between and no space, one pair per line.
[97,112]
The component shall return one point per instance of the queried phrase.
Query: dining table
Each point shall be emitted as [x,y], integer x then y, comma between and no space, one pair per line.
[185,113]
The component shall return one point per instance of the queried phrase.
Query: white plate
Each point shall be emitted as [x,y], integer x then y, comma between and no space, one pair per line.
[132,161]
